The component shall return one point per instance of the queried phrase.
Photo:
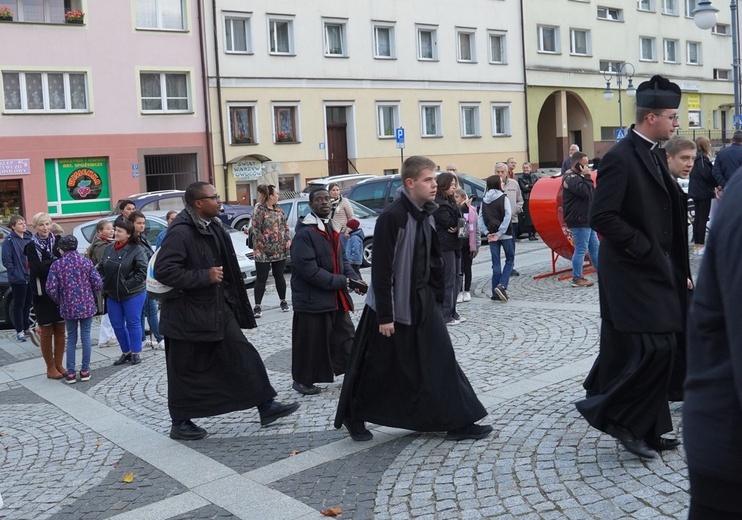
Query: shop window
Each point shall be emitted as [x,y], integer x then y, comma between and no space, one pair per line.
[11,200]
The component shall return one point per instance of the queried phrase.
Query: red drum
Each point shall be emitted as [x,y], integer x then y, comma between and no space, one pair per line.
[545,206]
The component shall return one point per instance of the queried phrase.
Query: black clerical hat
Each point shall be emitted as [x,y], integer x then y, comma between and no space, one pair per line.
[658,93]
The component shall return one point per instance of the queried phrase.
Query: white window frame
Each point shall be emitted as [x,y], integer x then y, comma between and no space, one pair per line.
[670,7]
[699,53]
[289,21]
[502,36]
[695,118]
[433,30]
[614,65]
[438,109]
[469,34]
[640,5]
[541,39]
[689,6]
[45,93]
[277,105]
[607,11]
[163,92]
[573,42]
[230,18]
[396,122]
[248,105]
[160,22]
[342,25]
[472,109]
[653,41]
[666,44]
[390,27]
[727,29]
[50,12]
[722,75]
[506,130]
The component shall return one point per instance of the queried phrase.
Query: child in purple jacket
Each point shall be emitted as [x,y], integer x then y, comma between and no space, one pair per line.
[73,283]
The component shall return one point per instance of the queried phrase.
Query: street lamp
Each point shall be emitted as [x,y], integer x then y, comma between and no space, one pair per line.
[704,15]
[621,72]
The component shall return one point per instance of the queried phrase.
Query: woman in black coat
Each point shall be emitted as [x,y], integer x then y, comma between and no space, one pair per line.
[41,251]
[702,189]
[446,226]
[124,272]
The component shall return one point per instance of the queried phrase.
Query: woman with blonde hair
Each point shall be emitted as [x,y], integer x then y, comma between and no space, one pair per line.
[271,240]
[41,253]
[340,209]
[702,189]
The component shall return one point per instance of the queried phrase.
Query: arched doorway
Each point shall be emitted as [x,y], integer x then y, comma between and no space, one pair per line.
[564,119]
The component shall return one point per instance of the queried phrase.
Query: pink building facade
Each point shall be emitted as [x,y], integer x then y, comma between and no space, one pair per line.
[95,111]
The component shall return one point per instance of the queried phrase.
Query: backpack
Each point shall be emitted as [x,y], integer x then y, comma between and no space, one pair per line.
[155,289]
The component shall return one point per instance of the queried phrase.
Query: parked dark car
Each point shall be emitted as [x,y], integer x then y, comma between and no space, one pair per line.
[378,193]
[237,217]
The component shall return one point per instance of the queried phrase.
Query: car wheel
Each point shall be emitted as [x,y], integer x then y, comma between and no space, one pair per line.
[241,224]
[368,246]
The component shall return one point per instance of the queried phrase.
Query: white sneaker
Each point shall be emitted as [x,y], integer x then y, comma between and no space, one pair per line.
[460,298]
[160,344]
[147,344]
[453,321]
[701,251]
[467,296]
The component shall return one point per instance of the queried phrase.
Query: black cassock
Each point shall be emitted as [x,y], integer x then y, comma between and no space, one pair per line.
[410,380]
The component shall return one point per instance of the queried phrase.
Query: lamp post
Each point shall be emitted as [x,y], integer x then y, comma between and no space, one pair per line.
[704,15]
[623,71]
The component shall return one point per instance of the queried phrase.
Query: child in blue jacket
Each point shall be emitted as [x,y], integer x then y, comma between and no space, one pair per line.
[354,245]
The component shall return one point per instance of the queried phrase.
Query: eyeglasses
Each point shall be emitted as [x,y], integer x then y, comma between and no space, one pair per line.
[213,197]
[674,118]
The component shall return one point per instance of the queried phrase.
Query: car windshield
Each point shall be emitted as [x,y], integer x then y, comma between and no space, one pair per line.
[361,211]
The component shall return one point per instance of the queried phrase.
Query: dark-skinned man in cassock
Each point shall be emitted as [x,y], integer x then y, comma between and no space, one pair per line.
[403,370]
[211,366]
[638,214]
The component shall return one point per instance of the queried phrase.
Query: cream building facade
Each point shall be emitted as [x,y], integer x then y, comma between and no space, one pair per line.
[573,47]
[301,90]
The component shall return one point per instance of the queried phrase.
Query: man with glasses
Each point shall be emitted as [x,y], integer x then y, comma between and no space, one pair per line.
[211,367]
[637,211]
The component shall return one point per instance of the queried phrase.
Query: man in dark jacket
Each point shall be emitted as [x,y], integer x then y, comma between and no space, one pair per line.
[576,198]
[322,333]
[403,370]
[638,213]
[728,160]
[211,367]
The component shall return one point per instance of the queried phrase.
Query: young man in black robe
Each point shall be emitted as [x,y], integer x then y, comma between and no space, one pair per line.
[211,367]
[403,370]
[322,333]
[638,213]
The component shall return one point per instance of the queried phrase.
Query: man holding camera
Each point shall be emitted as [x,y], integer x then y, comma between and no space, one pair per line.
[576,198]
[322,333]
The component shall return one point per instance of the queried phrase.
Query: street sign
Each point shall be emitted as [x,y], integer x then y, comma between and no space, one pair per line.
[399,133]
[737,120]
[620,133]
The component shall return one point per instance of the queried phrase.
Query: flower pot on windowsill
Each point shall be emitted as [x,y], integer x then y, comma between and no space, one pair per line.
[6,19]
[242,140]
[75,22]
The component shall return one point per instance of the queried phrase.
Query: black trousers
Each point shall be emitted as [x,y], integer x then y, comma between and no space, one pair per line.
[263,268]
[320,346]
[713,499]
[466,262]
[701,218]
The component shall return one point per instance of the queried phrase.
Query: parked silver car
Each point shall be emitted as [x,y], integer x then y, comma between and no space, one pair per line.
[297,208]
[156,224]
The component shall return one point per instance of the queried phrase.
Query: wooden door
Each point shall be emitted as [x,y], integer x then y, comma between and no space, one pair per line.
[337,149]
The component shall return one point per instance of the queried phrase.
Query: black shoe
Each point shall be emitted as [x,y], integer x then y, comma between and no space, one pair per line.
[257,311]
[495,298]
[305,389]
[136,359]
[514,273]
[357,430]
[284,306]
[501,293]
[186,431]
[125,358]
[633,445]
[663,443]
[276,411]
[473,431]
[532,238]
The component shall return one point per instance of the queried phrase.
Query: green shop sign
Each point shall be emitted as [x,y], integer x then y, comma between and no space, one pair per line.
[77,186]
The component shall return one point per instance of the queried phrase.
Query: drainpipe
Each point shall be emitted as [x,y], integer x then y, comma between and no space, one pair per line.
[205,86]
[225,169]
[525,88]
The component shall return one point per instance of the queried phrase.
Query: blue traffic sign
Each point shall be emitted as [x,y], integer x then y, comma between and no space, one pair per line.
[400,135]
[620,133]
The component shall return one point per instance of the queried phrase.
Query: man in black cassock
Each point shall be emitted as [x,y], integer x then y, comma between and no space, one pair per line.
[403,370]
[322,333]
[638,213]
[211,367]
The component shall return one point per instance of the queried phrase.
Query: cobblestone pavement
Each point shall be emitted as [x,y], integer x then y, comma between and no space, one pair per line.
[65,449]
